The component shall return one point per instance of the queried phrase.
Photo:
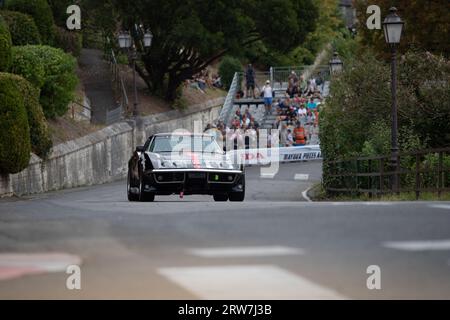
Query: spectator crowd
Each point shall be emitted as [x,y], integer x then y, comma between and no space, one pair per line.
[296,115]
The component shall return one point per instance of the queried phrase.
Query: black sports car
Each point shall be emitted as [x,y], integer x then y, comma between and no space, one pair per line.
[184,164]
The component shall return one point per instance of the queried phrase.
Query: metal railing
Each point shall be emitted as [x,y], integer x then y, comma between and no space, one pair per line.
[227,108]
[419,171]
[279,76]
[119,86]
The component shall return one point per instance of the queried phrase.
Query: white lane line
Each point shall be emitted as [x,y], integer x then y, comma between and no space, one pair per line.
[301,176]
[425,245]
[237,252]
[305,194]
[270,175]
[440,206]
[250,282]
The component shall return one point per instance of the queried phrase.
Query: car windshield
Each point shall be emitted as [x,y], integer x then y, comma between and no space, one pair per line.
[186,143]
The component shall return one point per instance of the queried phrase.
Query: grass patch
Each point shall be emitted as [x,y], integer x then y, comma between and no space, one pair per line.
[317,193]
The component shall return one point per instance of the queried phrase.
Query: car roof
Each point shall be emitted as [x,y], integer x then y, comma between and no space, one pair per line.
[182,134]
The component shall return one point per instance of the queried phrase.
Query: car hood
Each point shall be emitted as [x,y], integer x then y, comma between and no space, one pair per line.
[191,160]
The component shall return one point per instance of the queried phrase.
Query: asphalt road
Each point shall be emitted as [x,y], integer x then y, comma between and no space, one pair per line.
[274,245]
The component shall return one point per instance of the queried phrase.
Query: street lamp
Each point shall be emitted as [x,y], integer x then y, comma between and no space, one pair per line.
[393,26]
[125,42]
[336,64]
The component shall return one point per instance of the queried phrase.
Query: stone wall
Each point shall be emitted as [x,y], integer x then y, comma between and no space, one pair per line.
[102,156]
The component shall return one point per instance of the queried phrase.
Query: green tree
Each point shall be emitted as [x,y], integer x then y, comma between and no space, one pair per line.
[15,145]
[5,46]
[22,28]
[427,25]
[41,13]
[191,34]
[41,142]
[227,68]
[50,70]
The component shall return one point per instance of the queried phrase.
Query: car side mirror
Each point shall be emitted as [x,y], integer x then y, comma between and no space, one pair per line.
[140,149]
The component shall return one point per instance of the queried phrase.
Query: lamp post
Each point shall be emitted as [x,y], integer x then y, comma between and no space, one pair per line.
[393,26]
[125,42]
[336,64]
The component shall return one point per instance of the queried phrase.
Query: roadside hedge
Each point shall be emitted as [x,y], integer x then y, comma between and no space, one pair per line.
[41,13]
[50,70]
[5,46]
[15,144]
[41,142]
[22,28]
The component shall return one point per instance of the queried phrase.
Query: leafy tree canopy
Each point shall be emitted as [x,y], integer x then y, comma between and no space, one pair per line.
[427,25]
[191,34]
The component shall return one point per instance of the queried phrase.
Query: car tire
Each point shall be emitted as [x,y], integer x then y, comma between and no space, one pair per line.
[144,196]
[220,197]
[238,196]
[131,196]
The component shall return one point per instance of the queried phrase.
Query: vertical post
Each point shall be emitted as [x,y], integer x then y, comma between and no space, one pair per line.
[135,106]
[394,128]
[370,178]
[417,176]
[381,175]
[440,181]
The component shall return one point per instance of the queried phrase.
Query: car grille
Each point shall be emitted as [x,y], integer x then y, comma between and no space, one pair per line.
[169,177]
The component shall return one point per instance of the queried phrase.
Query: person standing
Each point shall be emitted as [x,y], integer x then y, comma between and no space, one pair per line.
[268,96]
[250,81]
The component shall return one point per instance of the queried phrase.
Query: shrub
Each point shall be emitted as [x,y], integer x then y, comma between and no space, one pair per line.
[41,13]
[227,68]
[14,129]
[50,70]
[69,41]
[22,28]
[39,133]
[5,46]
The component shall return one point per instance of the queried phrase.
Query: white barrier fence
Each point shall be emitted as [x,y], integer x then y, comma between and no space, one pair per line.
[284,154]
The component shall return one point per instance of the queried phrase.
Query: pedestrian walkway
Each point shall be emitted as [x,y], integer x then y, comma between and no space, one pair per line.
[96,77]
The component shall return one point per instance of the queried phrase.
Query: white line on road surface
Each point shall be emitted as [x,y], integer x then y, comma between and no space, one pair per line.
[267,175]
[13,265]
[301,176]
[440,206]
[305,195]
[236,252]
[424,245]
[250,282]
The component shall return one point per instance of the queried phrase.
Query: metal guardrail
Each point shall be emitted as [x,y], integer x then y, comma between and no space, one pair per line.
[119,86]
[225,112]
[419,171]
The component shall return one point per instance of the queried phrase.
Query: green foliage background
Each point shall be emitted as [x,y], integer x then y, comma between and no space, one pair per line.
[5,45]
[22,28]
[15,143]
[50,70]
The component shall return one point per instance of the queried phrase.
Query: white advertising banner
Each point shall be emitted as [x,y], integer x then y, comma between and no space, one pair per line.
[285,154]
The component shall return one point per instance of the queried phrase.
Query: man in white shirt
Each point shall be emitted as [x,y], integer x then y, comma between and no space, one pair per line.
[268,96]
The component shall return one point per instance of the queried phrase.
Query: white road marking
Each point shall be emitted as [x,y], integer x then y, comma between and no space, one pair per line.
[267,175]
[250,282]
[236,252]
[440,206]
[14,265]
[425,245]
[305,194]
[301,176]
[375,203]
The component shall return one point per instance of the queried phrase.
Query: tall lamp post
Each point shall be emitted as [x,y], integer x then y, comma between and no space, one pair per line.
[393,26]
[126,42]
[336,64]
